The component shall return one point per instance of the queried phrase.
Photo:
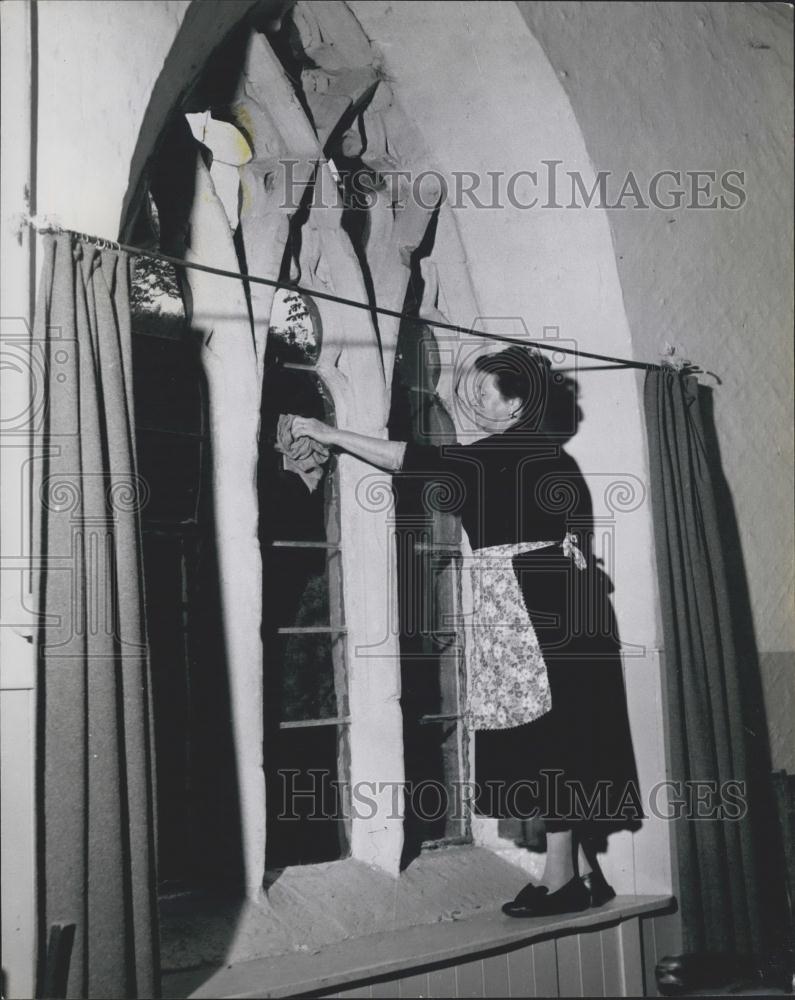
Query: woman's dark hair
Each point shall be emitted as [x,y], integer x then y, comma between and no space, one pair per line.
[521,373]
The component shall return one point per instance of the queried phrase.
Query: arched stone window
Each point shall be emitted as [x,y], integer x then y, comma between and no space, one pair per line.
[433,672]
[171,439]
[254,174]
[307,753]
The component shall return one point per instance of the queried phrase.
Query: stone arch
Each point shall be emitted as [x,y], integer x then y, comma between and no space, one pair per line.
[202,27]
[342,103]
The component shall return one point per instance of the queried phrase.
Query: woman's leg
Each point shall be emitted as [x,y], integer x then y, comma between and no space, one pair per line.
[565,858]
[590,872]
[559,865]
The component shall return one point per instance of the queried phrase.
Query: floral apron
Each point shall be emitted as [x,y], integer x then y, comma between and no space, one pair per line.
[508,676]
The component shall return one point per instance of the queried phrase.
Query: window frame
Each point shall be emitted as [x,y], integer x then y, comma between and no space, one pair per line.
[337,631]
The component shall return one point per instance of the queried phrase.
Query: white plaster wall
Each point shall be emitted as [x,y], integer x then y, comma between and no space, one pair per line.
[98,63]
[491,103]
[105,68]
[707,86]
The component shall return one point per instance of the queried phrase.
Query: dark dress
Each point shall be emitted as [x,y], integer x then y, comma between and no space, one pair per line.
[575,764]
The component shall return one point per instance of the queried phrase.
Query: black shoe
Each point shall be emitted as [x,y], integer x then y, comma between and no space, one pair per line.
[530,892]
[538,901]
[599,890]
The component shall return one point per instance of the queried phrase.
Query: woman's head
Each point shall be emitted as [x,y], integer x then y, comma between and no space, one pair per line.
[510,388]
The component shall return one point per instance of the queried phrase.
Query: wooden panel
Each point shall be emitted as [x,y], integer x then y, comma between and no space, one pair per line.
[649,952]
[591,965]
[413,987]
[569,971]
[611,962]
[648,855]
[545,965]
[469,979]
[631,958]
[668,935]
[521,972]
[661,936]
[384,958]
[386,990]
[496,977]
[441,983]
[18,814]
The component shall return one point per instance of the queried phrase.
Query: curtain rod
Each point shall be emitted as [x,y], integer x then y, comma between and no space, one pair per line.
[104,244]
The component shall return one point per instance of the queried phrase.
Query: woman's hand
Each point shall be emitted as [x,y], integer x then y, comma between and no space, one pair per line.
[377,451]
[314,429]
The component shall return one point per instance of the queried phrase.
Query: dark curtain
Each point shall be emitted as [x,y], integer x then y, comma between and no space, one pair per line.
[730,883]
[96,836]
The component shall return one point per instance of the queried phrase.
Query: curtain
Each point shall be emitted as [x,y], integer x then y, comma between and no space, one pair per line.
[730,887]
[96,835]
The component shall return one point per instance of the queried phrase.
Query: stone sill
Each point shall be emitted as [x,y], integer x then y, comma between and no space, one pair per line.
[308,908]
[386,955]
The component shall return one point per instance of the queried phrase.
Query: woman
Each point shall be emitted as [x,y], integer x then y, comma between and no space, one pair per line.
[546,692]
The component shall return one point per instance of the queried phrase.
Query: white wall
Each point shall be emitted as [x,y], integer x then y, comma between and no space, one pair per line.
[98,63]
[707,86]
[17,655]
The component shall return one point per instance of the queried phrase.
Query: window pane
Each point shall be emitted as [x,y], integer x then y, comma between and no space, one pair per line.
[429,594]
[299,581]
[433,800]
[156,302]
[171,467]
[289,510]
[306,822]
[311,683]
[429,603]
[163,569]
[304,671]
[295,331]
[167,380]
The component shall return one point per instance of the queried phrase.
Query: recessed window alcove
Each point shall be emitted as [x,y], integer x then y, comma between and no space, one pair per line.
[305,634]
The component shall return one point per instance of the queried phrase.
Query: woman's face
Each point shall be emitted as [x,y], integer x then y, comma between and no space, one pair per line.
[492,410]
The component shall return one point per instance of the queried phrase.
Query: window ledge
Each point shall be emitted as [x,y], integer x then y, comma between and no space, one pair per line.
[395,953]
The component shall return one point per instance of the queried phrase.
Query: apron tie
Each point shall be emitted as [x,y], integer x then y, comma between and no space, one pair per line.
[573,551]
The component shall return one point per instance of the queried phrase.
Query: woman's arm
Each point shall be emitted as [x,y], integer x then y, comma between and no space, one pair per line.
[377,451]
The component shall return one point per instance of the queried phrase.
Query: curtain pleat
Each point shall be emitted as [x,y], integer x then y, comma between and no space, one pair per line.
[97,856]
[724,864]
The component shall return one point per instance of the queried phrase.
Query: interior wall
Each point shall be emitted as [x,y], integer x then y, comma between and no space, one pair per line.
[96,73]
[707,86]
[104,68]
